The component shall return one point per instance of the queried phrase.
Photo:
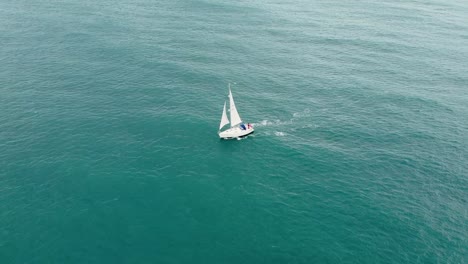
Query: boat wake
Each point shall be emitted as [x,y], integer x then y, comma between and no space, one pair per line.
[277,122]
[274,123]
[285,127]
[281,128]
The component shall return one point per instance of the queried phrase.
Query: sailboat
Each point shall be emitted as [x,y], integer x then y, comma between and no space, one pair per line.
[238,128]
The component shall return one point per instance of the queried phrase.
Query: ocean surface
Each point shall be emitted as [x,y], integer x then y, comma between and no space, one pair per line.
[109,113]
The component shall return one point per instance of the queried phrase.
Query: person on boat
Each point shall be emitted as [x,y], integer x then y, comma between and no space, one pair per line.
[249,126]
[242,126]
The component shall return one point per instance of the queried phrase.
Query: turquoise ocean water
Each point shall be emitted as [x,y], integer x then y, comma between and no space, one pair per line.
[109,113]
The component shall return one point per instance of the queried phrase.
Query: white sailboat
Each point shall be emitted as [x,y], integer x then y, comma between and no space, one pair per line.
[238,128]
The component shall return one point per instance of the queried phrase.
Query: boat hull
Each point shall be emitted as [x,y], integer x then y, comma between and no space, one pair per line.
[235,132]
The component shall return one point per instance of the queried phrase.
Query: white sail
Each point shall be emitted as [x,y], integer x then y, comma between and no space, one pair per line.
[235,118]
[224,118]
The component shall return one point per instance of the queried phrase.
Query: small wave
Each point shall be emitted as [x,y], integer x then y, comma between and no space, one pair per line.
[280,134]
[304,113]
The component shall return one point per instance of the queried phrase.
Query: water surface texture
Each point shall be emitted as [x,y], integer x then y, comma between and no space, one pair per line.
[109,113]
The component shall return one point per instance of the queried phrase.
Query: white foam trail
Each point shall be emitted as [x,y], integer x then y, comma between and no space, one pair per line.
[276,122]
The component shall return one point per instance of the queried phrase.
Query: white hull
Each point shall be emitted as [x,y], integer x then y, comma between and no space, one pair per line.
[235,132]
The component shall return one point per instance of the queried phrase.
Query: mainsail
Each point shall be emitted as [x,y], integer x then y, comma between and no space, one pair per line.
[235,118]
[224,118]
